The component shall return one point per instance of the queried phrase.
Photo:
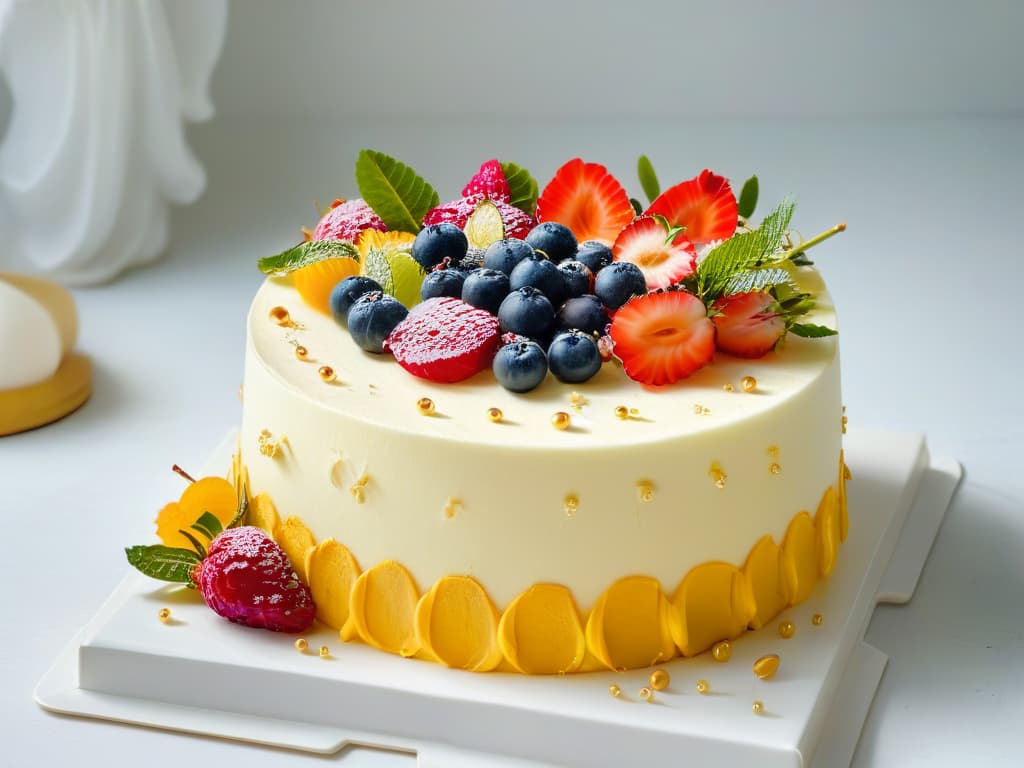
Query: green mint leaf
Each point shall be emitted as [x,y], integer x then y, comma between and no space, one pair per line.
[208,525]
[748,198]
[394,191]
[304,254]
[243,510]
[638,208]
[800,259]
[196,543]
[756,280]
[648,178]
[811,331]
[523,187]
[164,563]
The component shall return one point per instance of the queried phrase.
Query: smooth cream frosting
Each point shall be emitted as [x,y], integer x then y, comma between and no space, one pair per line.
[454,494]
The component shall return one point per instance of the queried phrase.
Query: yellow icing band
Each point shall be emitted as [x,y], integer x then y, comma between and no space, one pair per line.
[765,573]
[632,624]
[331,570]
[382,609]
[800,557]
[263,514]
[714,602]
[296,540]
[540,632]
[458,625]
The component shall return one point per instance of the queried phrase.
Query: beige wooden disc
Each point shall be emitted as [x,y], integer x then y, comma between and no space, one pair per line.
[38,404]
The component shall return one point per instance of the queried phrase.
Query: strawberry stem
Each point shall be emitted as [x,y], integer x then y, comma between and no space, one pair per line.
[183,473]
[820,238]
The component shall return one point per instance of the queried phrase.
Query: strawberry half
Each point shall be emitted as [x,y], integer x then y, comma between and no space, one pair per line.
[748,324]
[445,339]
[517,223]
[588,200]
[663,337]
[705,205]
[346,221]
[490,182]
[664,260]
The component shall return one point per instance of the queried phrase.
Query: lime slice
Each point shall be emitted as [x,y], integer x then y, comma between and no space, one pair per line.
[397,272]
[484,226]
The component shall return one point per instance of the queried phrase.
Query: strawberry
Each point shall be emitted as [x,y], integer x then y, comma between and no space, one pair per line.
[490,182]
[588,200]
[748,324]
[445,339]
[664,258]
[248,579]
[704,205]
[346,221]
[517,223]
[663,337]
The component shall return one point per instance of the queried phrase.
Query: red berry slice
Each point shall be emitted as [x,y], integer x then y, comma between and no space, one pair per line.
[346,221]
[705,205]
[588,200]
[664,262]
[517,223]
[490,182]
[748,324]
[663,337]
[445,339]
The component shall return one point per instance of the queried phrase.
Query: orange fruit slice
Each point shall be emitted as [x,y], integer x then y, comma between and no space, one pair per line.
[316,281]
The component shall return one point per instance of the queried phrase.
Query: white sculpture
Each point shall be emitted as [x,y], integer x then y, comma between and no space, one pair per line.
[94,150]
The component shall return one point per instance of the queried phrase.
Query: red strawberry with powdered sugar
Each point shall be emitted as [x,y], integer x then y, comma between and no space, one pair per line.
[490,182]
[748,324]
[445,340]
[665,256]
[517,223]
[248,579]
[705,206]
[347,220]
[663,337]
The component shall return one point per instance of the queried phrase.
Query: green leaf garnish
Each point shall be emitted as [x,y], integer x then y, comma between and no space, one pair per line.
[811,331]
[395,192]
[243,509]
[799,259]
[208,525]
[648,178]
[164,563]
[304,254]
[638,207]
[756,280]
[748,198]
[523,187]
[196,543]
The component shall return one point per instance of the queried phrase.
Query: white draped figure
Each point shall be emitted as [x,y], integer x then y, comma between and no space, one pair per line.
[94,148]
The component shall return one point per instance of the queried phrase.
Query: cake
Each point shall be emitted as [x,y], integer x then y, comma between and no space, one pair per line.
[443,502]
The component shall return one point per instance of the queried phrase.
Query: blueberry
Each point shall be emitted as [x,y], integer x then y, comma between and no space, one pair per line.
[574,357]
[556,240]
[346,292]
[595,255]
[505,254]
[520,366]
[439,241]
[584,313]
[485,289]
[539,273]
[527,312]
[373,317]
[578,278]
[442,282]
[618,283]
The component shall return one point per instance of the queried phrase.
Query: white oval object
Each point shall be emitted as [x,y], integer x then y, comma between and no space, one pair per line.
[30,343]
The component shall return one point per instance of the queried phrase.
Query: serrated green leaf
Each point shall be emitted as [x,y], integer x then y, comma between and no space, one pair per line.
[756,280]
[165,563]
[304,254]
[638,207]
[522,186]
[208,525]
[396,193]
[811,331]
[748,198]
[243,509]
[648,178]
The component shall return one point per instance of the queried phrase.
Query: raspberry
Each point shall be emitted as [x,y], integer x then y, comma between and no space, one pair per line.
[489,181]
[347,221]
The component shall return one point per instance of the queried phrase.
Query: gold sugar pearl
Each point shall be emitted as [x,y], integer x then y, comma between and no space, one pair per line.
[302,645]
[722,651]
[774,468]
[817,619]
[748,383]
[426,406]
[280,315]
[717,475]
[703,687]
[577,400]
[560,420]
[766,666]
[621,412]
[571,504]
[324,651]
[301,352]
[787,629]
[646,491]
[615,691]
[495,414]
[327,373]
[659,680]
[727,387]
[646,694]
[164,614]
[757,707]
[634,411]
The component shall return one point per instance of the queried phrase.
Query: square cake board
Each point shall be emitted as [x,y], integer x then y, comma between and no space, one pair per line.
[203,675]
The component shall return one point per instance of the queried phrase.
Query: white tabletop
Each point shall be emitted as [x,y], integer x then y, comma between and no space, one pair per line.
[927,280]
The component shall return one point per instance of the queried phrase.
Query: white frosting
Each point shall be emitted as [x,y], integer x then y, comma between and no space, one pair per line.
[30,341]
[510,529]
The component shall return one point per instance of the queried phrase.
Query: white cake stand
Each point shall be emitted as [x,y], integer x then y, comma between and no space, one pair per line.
[200,674]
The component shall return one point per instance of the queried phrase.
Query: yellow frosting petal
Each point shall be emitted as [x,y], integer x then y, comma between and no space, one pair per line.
[332,571]
[801,556]
[826,532]
[765,573]
[263,514]
[541,633]
[844,517]
[383,609]
[715,603]
[458,624]
[631,624]
[296,540]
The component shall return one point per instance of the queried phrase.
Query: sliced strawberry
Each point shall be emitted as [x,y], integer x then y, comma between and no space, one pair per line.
[517,223]
[490,182]
[705,205]
[347,220]
[445,339]
[664,262]
[663,337]
[588,200]
[748,324]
